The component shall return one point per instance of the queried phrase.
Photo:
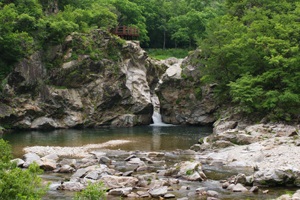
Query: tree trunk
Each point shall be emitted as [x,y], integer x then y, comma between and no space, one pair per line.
[164,43]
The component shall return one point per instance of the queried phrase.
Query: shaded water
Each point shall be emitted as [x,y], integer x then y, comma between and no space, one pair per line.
[145,138]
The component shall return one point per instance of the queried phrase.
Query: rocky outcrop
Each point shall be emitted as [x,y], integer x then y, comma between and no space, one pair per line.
[90,80]
[270,151]
[182,98]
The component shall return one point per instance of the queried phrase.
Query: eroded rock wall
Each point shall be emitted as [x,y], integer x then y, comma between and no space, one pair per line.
[183,99]
[68,86]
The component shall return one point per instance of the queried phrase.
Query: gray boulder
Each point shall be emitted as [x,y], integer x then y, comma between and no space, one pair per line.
[158,192]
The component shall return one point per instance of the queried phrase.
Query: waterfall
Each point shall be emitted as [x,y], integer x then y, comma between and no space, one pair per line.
[156,117]
[173,71]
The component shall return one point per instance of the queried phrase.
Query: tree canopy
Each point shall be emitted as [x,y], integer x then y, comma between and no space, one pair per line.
[253,54]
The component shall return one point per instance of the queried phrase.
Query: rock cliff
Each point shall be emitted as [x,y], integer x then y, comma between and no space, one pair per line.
[90,80]
[96,80]
[182,99]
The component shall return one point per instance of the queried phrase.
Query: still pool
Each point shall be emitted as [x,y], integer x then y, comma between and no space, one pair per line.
[144,138]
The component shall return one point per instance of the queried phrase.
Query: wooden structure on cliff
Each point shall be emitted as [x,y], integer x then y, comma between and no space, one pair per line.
[126,32]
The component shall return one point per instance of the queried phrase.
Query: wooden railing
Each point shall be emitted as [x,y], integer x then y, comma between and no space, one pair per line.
[126,32]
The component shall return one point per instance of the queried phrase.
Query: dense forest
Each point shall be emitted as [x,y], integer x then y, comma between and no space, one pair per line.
[250,48]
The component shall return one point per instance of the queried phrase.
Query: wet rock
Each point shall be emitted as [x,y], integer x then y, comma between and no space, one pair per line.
[136,161]
[29,158]
[48,164]
[239,188]
[105,160]
[66,169]
[143,194]
[158,192]
[224,126]
[119,181]
[80,173]
[121,192]
[146,159]
[225,185]
[222,144]
[18,161]
[201,190]
[211,193]
[241,178]
[156,154]
[71,186]
[142,168]
[128,173]
[191,171]
[51,157]
[197,147]
[169,196]
[133,195]
[254,189]
[184,187]
[66,161]
[130,157]
[92,175]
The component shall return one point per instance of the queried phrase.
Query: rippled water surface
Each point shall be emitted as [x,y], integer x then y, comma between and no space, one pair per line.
[145,138]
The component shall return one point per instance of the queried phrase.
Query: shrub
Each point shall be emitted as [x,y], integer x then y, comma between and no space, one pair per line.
[16,183]
[94,191]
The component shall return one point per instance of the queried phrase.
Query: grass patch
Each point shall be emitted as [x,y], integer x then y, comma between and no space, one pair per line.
[162,54]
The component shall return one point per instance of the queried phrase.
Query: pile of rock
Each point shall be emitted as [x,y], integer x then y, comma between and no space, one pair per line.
[125,174]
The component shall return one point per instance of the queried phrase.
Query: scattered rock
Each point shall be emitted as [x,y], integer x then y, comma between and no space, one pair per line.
[254,189]
[158,192]
[121,192]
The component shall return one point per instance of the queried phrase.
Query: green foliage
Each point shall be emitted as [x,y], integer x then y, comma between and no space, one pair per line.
[16,183]
[5,152]
[162,54]
[94,191]
[254,50]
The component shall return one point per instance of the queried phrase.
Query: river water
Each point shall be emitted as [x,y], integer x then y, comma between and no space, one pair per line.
[145,138]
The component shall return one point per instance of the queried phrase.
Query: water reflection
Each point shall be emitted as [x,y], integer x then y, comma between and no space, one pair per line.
[146,138]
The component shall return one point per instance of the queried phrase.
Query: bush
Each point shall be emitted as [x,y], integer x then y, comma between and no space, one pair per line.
[94,191]
[16,183]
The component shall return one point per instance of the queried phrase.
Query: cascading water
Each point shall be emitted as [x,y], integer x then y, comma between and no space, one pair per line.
[156,117]
[174,71]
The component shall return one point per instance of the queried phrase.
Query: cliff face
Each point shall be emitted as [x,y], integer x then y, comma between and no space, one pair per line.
[95,80]
[182,98]
[91,80]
